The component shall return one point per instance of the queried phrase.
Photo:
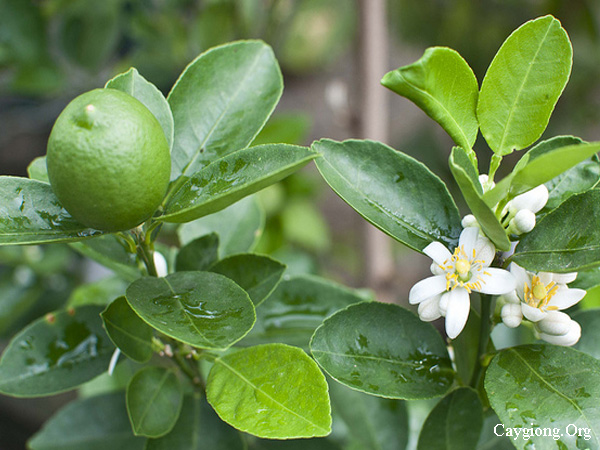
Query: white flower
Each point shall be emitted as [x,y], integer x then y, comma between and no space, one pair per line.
[161,264]
[558,328]
[533,200]
[456,275]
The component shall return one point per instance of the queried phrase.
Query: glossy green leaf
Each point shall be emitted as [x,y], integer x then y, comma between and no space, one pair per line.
[198,254]
[372,422]
[233,177]
[296,308]
[95,423]
[127,331]
[202,309]
[467,179]
[393,191]
[580,178]
[523,84]
[198,428]
[17,297]
[239,227]
[272,391]
[55,353]
[221,101]
[384,350]
[258,275]
[540,386]
[100,292]
[37,169]
[454,423]
[154,399]
[555,245]
[443,85]
[31,214]
[132,83]
[589,320]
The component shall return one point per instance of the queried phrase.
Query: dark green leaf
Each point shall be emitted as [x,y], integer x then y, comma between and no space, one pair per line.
[581,178]
[132,83]
[198,428]
[541,386]
[443,85]
[31,214]
[202,309]
[154,399]
[17,297]
[393,191]
[488,439]
[199,254]
[56,353]
[384,350]
[555,245]
[523,84]
[258,275]
[127,331]
[454,423]
[96,423]
[589,320]
[37,169]
[272,391]
[233,177]
[221,101]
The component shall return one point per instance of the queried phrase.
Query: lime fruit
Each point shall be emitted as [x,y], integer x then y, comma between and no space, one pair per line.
[108,160]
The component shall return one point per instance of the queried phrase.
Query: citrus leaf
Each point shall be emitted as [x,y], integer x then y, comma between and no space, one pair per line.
[154,399]
[198,254]
[94,423]
[37,170]
[221,101]
[527,387]
[523,84]
[127,331]
[578,179]
[589,320]
[233,177]
[393,191]
[384,350]
[258,275]
[454,423]
[202,309]
[31,214]
[56,353]
[272,391]
[132,83]
[443,85]
[555,246]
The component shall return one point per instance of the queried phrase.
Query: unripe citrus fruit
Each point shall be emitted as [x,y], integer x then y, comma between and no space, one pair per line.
[108,160]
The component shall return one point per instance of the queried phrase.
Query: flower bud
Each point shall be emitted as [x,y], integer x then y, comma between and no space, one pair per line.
[511,297]
[533,200]
[161,264]
[555,323]
[512,315]
[523,222]
[486,185]
[469,221]
[429,310]
[566,340]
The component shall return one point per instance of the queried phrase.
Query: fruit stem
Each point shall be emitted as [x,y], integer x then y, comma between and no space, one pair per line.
[145,252]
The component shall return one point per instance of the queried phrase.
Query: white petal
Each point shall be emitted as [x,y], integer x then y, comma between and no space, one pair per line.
[545,277]
[566,297]
[444,303]
[566,340]
[499,281]
[511,297]
[457,312]
[521,277]
[436,269]
[531,313]
[427,288]
[160,263]
[468,239]
[564,278]
[485,250]
[533,200]
[555,323]
[437,252]
[430,309]
[511,314]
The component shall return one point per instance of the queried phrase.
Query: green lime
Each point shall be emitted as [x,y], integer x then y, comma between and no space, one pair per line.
[108,160]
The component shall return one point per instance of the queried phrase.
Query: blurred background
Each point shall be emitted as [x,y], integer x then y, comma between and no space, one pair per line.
[332,54]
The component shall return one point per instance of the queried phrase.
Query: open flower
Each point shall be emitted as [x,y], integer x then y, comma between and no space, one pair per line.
[456,275]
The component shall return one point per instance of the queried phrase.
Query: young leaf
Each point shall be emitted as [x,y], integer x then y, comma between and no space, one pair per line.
[37,169]
[523,84]
[94,423]
[132,83]
[443,85]
[198,254]
[258,275]
[202,309]
[55,353]
[31,214]
[538,385]
[466,177]
[221,101]
[578,179]
[198,428]
[154,399]
[454,423]
[555,246]
[233,177]
[384,350]
[239,227]
[127,331]
[393,191]
[272,391]
[296,308]
[589,320]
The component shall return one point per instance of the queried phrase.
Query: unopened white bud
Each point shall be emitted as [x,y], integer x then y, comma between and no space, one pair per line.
[436,269]
[533,200]
[511,297]
[512,315]
[564,278]
[523,222]
[486,185]
[566,340]
[429,310]
[161,264]
[469,221]
[555,323]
